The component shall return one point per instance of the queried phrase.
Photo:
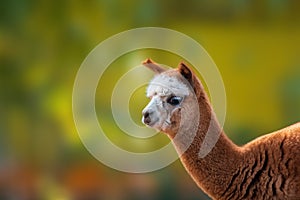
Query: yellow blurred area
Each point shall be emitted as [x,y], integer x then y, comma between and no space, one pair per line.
[255,45]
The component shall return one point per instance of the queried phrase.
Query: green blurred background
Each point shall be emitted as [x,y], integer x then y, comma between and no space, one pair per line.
[255,45]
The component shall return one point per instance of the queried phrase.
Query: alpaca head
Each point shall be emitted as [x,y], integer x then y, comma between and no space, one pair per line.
[172,99]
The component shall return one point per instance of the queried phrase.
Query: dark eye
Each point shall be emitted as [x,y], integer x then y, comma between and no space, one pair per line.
[174,100]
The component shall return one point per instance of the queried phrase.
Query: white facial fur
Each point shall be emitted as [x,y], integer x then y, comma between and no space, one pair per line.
[160,89]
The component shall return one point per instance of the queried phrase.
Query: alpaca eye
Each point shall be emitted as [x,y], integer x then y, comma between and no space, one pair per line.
[174,100]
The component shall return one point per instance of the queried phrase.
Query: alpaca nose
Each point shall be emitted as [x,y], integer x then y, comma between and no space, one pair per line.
[146,117]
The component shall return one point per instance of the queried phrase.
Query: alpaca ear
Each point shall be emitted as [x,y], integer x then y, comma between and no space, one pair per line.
[186,72]
[153,66]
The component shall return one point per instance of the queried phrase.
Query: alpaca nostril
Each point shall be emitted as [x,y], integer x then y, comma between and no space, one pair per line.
[146,114]
[146,118]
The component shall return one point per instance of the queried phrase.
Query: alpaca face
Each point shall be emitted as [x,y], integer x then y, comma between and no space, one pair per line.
[173,106]
[167,94]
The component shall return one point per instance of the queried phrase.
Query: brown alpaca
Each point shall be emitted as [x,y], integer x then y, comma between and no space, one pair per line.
[265,168]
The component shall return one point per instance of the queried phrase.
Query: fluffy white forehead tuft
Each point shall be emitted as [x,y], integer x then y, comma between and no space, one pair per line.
[164,85]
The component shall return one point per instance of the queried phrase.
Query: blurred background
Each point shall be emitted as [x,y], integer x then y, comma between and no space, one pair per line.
[255,45]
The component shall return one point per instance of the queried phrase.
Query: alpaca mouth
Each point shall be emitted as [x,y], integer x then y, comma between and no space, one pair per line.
[148,122]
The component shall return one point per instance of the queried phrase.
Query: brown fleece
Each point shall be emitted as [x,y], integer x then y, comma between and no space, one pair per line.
[265,168]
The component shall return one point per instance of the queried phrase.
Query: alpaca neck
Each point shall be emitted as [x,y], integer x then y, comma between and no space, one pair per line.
[209,172]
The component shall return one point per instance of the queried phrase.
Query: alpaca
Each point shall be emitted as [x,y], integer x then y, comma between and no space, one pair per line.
[265,168]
